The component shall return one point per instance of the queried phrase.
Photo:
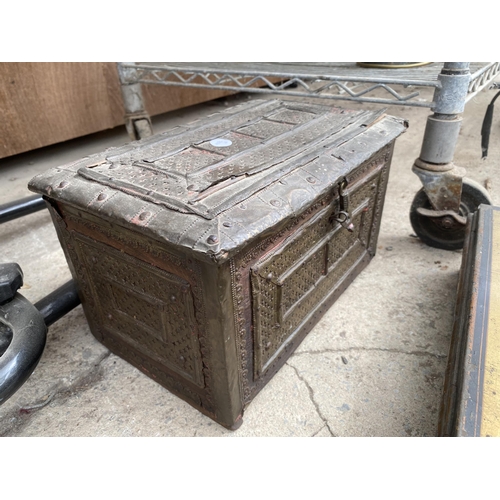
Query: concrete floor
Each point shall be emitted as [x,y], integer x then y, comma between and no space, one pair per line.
[373,366]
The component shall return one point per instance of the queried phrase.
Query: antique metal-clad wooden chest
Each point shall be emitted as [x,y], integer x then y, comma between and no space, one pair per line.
[471,397]
[204,255]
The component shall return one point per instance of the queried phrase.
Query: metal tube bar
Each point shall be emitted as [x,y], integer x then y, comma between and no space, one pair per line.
[441,179]
[442,128]
[58,303]
[137,120]
[133,101]
[484,69]
[246,72]
[20,208]
[450,98]
[297,94]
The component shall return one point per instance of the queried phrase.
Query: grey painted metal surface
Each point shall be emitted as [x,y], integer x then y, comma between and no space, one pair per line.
[442,129]
[440,139]
[137,119]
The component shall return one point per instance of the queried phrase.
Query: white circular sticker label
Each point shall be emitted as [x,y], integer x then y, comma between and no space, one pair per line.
[221,143]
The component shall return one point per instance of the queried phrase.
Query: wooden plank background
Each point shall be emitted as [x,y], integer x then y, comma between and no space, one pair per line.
[46,103]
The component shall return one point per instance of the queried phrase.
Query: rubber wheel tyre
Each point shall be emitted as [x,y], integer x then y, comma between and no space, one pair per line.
[431,232]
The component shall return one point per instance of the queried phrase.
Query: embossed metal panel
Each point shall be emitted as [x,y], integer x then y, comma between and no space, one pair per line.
[288,284]
[224,159]
[142,305]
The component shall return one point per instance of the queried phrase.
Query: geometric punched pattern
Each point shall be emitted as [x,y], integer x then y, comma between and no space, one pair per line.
[195,177]
[143,305]
[299,272]
[183,172]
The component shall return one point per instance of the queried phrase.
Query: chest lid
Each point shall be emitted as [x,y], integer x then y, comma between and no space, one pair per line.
[220,161]
[216,185]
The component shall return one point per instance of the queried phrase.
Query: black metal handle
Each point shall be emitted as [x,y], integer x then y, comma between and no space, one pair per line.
[20,208]
[23,327]
[29,332]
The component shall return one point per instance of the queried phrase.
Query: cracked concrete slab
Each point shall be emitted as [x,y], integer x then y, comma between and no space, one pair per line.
[365,397]
[373,366]
[115,399]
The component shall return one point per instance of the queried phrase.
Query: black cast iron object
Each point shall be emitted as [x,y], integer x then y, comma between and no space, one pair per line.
[204,255]
[58,303]
[11,280]
[23,327]
[20,208]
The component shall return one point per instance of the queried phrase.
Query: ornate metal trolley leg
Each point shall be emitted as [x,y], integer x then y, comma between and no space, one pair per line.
[439,210]
[137,119]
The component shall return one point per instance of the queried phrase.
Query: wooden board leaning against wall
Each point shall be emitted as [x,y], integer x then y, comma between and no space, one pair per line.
[45,103]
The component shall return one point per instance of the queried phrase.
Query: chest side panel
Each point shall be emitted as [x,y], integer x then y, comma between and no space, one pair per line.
[143,302]
[142,305]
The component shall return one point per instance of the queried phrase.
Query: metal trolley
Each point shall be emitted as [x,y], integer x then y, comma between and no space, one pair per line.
[439,210]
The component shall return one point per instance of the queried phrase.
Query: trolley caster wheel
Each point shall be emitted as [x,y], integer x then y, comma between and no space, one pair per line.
[447,232]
